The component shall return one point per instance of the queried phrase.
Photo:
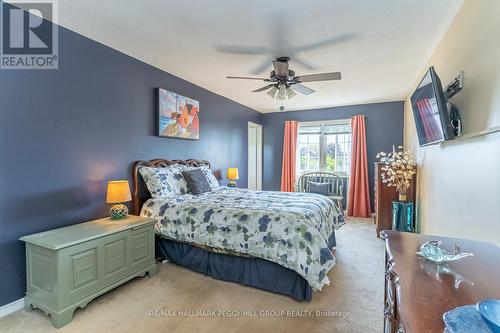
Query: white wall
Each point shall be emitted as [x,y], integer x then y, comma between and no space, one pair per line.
[459,183]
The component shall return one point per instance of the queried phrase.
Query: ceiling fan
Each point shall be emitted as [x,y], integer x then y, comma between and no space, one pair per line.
[283,82]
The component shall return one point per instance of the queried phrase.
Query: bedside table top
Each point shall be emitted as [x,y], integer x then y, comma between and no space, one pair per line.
[57,239]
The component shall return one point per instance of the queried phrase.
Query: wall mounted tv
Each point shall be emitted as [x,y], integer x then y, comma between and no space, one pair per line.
[430,111]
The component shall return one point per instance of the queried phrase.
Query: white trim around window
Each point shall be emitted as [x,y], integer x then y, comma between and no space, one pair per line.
[325,122]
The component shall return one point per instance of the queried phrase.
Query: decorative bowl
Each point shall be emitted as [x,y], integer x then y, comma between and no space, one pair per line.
[490,310]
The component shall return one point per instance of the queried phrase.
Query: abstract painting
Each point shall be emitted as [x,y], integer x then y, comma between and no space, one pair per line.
[177,115]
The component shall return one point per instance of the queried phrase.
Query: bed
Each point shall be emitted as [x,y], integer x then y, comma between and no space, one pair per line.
[275,241]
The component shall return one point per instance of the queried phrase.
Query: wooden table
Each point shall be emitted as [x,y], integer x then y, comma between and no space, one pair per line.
[418,292]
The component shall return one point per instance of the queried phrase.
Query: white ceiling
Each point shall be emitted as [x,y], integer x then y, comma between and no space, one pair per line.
[383,44]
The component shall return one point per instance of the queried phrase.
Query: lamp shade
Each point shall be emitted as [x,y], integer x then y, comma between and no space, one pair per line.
[290,93]
[118,191]
[281,92]
[273,91]
[232,173]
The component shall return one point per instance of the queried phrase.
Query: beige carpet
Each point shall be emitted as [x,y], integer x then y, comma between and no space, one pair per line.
[168,301]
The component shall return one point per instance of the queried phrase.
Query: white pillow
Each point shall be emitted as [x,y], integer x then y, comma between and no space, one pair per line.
[159,181]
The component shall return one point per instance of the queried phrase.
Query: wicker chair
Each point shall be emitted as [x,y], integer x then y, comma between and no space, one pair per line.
[335,189]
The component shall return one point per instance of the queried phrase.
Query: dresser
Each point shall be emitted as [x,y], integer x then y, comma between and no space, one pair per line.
[66,268]
[383,198]
[418,292]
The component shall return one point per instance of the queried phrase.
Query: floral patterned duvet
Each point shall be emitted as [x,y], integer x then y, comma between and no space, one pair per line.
[290,229]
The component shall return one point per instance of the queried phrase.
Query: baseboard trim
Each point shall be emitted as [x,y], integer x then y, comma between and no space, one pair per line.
[11,307]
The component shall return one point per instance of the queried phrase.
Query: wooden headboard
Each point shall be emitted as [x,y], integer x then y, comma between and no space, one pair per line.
[140,192]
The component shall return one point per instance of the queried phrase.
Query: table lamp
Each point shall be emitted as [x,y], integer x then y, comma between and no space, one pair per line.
[118,193]
[232,175]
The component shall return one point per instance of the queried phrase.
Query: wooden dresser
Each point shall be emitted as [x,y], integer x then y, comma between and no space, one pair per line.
[68,267]
[383,198]
[418,292]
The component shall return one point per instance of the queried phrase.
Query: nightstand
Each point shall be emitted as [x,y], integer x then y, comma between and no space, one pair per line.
[66,268]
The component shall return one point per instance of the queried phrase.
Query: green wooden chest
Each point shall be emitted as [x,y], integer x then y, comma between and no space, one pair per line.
[66,268]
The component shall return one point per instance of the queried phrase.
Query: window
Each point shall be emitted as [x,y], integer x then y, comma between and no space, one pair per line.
[324,146]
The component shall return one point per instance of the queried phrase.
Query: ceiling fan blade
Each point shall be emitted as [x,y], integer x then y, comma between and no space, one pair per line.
[244,50]
[319,77]
[326,42]
[305,64]
[302,89]
[264,88]
[248,78]
[264,66]
[281,68]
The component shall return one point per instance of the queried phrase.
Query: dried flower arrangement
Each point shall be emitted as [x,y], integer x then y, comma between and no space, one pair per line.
[398,170]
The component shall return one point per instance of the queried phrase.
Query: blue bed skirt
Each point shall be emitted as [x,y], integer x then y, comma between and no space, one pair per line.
[248,271]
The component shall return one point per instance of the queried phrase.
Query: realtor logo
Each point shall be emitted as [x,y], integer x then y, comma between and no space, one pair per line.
[29,39]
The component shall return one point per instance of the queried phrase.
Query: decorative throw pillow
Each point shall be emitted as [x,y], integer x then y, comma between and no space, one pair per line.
[319,188]
[159,181]
[197,181]
[212,181]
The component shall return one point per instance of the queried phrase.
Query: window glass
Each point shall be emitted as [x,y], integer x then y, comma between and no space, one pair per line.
[310,129]
[338,152]
[345,128]
[324,147]
[309,155]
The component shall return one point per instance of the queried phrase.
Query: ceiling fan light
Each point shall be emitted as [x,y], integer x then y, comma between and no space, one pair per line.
[272,92]
[290,93]
[282,92]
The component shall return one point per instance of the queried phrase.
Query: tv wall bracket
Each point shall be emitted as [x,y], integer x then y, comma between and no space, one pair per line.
[455,86]
[451,90]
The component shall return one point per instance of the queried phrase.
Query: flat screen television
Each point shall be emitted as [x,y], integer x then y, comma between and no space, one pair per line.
[430,111]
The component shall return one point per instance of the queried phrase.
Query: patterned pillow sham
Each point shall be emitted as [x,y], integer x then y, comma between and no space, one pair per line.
[168,181]
[159,181]
[212,181]
[179,183]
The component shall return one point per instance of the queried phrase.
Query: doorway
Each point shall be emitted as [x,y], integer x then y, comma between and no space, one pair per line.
[254,156]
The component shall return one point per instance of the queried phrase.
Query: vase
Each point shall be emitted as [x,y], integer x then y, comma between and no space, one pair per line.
[402,197]
[402,216]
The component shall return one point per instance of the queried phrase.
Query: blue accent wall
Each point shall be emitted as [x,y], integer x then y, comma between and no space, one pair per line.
[384,127]
[65,132]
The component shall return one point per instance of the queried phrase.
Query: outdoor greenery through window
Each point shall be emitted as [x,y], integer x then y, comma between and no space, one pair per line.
[324,146]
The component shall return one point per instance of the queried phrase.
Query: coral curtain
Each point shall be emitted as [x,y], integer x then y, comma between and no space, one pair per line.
[358,203]
[288,168]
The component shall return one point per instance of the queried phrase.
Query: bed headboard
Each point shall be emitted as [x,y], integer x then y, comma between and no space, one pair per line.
[140,192]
